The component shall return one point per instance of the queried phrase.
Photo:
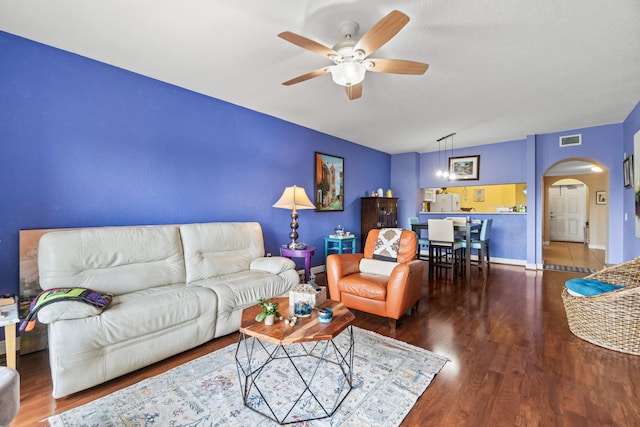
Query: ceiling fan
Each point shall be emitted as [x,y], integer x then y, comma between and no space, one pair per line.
[351,58]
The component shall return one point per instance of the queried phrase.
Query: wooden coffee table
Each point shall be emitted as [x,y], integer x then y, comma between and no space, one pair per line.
[295,373]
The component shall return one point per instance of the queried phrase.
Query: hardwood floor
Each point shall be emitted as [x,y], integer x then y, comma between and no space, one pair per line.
[513,360]
[573,254]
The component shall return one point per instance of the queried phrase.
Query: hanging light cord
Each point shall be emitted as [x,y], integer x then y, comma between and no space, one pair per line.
[444,172]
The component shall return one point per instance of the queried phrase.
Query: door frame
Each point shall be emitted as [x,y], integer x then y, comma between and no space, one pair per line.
[597,216]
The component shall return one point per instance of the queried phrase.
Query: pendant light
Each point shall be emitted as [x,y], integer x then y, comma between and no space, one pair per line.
[452,175]
[444,172]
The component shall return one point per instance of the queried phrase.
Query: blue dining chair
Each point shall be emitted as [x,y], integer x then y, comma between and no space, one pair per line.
[422,243]
[481,244]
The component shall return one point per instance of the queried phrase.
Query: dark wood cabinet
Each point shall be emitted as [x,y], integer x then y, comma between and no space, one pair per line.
[377,212]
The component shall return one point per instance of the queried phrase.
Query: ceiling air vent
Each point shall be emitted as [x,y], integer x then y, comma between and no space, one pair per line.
[569,140]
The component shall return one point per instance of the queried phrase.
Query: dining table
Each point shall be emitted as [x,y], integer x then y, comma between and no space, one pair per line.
[462,229]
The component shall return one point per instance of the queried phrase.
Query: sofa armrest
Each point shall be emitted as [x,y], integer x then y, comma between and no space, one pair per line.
[273,265]
[338,266]
[404,287]
[67,310]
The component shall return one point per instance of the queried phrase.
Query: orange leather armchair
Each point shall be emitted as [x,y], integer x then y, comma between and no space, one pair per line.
[384,295]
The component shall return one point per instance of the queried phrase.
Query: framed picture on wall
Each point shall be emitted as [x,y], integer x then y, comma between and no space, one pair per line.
[329,182]
[464,167]
[601,197]
[627,167]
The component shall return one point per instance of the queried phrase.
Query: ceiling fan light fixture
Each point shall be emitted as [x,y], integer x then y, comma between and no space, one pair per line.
[348,73]
[350,55]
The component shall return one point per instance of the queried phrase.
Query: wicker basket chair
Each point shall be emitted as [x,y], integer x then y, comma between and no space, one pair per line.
[612,319]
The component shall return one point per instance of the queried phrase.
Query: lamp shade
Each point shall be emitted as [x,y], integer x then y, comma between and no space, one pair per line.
[348,73]
[294,198]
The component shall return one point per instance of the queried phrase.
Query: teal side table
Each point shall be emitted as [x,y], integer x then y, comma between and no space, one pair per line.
[339,245]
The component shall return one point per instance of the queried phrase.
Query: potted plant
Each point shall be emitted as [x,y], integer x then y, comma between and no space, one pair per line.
[269,311]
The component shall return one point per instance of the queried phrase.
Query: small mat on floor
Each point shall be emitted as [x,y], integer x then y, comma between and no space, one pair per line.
[389,376]
[569,268]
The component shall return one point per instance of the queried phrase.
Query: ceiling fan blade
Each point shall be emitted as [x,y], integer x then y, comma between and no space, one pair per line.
[354,92]
[308,44]
[381,32]
[398,66]
[307,76]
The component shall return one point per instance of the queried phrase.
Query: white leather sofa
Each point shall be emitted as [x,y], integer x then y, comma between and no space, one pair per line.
[174,287]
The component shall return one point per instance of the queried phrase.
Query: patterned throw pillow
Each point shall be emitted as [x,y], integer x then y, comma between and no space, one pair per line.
[387,244]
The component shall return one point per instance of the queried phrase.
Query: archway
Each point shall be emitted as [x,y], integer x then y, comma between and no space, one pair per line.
[595,178]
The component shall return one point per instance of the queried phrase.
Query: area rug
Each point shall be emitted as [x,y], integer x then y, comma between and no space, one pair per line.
[568,268]
[388,377]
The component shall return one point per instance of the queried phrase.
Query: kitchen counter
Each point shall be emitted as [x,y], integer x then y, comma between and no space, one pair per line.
[508,233]
[460,213]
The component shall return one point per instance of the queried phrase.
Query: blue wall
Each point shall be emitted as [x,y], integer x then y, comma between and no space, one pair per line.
[405,182]
[527,160]
[600,143]
[507,234]
[87,144]
[631,243]
[499,163]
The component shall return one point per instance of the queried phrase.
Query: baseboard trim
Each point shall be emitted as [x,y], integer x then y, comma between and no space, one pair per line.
[318,269]
[313,270]
[509,261]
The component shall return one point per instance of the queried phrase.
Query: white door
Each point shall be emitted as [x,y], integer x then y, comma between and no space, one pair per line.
[567,212]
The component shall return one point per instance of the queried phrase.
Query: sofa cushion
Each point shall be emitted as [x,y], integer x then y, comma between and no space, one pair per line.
[374,266]
[115,260]
[216,249]
[588,287]
[240,290]
[135,330]
[152,310]
[365,285]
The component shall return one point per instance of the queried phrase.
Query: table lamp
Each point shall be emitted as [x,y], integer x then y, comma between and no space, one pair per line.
[294,198]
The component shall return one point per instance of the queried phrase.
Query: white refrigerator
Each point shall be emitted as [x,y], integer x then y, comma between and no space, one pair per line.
[445,203]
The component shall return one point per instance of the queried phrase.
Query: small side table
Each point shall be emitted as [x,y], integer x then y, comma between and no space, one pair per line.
[300,253]
[8,319]
[305,351]
[340,244]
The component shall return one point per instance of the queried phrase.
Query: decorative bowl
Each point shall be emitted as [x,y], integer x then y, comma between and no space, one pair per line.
[325,315]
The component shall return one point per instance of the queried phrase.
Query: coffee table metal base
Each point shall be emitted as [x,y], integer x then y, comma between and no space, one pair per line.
[294,383]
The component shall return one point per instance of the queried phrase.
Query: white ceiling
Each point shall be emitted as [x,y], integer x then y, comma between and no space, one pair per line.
[499,69]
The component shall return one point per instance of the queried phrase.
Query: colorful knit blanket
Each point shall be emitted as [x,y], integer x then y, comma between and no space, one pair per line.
[49,296]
